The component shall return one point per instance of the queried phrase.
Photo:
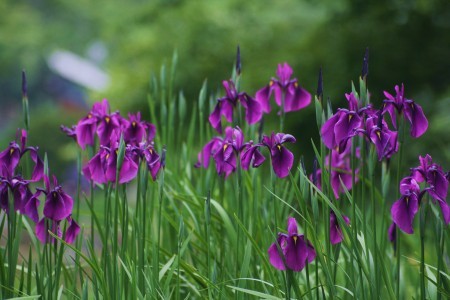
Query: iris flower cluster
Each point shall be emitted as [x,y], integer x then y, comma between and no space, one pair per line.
[58,205]
[434,181]
[230,149]
[108,128]
[287,93]
[366,121]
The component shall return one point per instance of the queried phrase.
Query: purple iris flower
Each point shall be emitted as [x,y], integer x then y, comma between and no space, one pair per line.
[10,158]
[282,159]
[46,224]
[403,212]
[344,124]
[225,151]
[385,141]
[135,130]
[436,182]
[147,152]
[58,205]
[340,171]
[251,156]
[412,111]
[336,235]
[291,251]
[98,121]
[225,106]
[295,97]
[102,167]
[24,201]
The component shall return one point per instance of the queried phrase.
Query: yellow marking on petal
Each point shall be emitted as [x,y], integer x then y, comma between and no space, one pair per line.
[107,156]
[271,83]
[107,119]
[296,85]
[150,150]
[54,194]
[134,124]
[379,134]
[11,151]
[89,116]
[225,147]
[350,117]
[407,200]
[295,239]
[279,147]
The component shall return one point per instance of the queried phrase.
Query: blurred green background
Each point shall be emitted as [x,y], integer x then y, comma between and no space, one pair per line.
[409,42]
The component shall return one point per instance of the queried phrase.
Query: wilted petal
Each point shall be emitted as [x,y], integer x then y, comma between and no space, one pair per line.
[392,232]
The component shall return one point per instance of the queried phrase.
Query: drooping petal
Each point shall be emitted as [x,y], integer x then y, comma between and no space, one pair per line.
[336,235]
[403,212]
[346,125]
[31,208]
[263,97]
[85,131]
[282,161]
[58,205]
[208,150]
[416,118]
[327,131]
[253,110]
[438,182]
[274,252]
[251,154]
[296,98]
[9,159]
[215,118]
[445,208]
[72,231]
[297,252]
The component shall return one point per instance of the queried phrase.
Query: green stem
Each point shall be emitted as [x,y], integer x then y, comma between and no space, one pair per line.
[423,212]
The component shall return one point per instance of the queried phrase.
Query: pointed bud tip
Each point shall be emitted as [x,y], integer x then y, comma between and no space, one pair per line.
[238,61]
[365,67]
[320,85]
[24,84]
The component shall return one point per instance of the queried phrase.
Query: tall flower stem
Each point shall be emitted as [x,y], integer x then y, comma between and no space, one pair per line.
[423,213]
[397,235]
